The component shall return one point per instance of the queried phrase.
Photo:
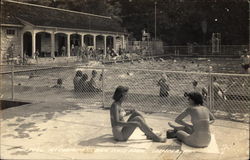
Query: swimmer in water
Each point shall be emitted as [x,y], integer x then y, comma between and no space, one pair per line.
[198,133]
[164,88]
[161,59]
[195,84]
[59,84]
[122,129]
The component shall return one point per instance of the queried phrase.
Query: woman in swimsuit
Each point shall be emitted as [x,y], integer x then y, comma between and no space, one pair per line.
[122,129]
[196,134]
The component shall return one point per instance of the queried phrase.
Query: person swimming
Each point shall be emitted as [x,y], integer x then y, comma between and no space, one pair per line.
[164,88]
[59,83]
[122,129]
[198,133]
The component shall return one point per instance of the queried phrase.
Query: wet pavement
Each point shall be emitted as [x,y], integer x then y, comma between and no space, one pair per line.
[76,131]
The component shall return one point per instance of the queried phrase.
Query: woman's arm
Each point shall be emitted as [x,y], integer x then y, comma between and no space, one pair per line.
[211,118]
[129,111]
[179,119]
[117,120]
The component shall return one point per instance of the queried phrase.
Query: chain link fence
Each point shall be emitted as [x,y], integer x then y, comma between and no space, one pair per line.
[225,94]
[204,50]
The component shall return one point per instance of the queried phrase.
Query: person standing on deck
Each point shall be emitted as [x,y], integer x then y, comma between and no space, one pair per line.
[246,61]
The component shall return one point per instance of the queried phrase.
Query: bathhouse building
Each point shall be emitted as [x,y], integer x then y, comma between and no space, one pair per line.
[54,32]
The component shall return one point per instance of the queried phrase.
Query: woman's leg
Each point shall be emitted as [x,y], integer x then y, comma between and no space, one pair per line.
[135,114]
[182,135]
[189,130]
[192,140]
[127,131]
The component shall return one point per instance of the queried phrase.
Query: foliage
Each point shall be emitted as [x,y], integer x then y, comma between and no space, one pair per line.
[178,21]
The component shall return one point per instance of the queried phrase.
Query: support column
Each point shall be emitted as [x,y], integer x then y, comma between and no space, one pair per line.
[123,42]
[68,45]
[33,44]
[94,41]
[114,42]
[52,45]
[82,40]
[105,45]
[21,54]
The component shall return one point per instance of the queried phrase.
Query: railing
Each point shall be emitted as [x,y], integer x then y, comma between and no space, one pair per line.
[203,50]
[37,85]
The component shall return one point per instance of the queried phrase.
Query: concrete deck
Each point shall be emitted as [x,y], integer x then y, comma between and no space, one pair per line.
[69,131]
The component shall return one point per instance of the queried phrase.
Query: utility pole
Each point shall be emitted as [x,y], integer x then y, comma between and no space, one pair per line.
[153,42]
[155,19]
[249,25]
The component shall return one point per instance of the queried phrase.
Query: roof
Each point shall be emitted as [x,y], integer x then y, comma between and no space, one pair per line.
[13,12]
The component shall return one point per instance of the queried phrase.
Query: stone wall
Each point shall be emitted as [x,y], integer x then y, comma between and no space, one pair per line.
[7,40]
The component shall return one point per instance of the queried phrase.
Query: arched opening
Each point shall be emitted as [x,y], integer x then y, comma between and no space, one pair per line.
[27,44]
[75,43]
[60,45]
[89,40]
[100,43]
[110,42]
[43,44]
[118,43]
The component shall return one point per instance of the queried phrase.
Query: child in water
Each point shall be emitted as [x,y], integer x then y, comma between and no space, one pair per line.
[59,84]
[198,133]
[164,88]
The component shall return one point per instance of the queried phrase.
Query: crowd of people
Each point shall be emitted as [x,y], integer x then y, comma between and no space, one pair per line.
[85,53]
[81,83]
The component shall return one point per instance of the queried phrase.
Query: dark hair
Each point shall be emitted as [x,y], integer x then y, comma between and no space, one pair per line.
[195,83]
[59,81]
[119,92]
[94,72]
[196,97]
[78,73]
[84,77]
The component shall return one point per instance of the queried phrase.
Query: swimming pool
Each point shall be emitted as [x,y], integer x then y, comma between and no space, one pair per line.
[219,65]
[140,77]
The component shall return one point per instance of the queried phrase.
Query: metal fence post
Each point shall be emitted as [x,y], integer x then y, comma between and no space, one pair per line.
[103,92]
[210,88]
[12,80]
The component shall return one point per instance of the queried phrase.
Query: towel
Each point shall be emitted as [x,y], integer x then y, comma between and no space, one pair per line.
[212,148]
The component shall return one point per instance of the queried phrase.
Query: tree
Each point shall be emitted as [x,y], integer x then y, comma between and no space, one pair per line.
[178,21]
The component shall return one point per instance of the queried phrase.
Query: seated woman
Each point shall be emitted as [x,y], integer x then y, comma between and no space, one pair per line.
[123,130]
[83,85]
[197,134]
[76,81]
[92,87]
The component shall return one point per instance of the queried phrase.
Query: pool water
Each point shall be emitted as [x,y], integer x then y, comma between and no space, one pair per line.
[219,65]
[143,92]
